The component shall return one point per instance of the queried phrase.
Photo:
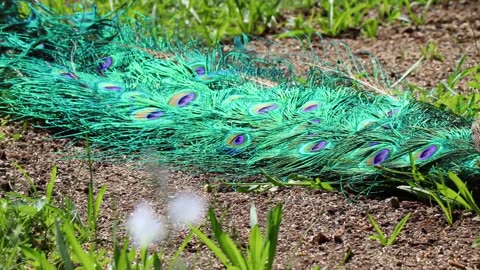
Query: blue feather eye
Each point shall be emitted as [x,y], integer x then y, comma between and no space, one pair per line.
[66,74]
[427,152]
[147,114]
[200,71]
[105,63]
[313,147]
[108,86]
[378,157]
[203,74]
[199,68]
[318,146]
[310,106]
[182,99]
[237,140]
[264,108]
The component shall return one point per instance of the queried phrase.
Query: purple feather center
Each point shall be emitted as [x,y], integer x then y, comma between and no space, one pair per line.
[106,63]
[310,108]
[200,71]
[185,100]
[428,152]
[315,121]
[112,88]
[380,157]
[155,115]
[266,109]
[318,146]
[239,139]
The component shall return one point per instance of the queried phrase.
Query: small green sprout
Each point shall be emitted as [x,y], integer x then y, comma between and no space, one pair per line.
[381,237]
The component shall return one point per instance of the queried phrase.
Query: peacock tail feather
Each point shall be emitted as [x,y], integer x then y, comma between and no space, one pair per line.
[230,111]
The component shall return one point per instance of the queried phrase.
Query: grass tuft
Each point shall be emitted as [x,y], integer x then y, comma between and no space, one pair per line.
[381,237]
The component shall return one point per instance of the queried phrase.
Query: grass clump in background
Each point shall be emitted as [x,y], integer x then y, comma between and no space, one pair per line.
[40,233]
[216,20]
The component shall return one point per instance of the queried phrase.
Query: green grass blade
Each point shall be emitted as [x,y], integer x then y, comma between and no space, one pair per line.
[255,249]
[99,200]
[446,209]
[27,177]
[62,247]
[476,243]
[39,257]
[272,179]
[51,184]
[143,257]
[348,255]
[91,220]
[274,219]
[83,257]
[211,245]
[217,230]
[398,228]
[179,251]
[231,250]
[380,236]
[452,196]
[465,192]
[157,262]
[119,257]
[226,243]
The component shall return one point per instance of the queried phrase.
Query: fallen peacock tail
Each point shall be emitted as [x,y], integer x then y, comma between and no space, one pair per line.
[201,109]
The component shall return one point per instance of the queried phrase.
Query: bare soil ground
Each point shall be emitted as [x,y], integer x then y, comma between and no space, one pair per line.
[318,227]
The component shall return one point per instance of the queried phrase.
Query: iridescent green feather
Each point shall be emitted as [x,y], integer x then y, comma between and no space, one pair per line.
[201,109]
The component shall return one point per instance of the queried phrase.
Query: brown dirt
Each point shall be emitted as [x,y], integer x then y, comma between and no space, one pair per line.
[318,227]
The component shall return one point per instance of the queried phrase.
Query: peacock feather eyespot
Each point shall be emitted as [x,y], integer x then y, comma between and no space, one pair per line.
[380,156]
[318,146]
[182,99]
[199,68]
[237,140]
[108,86]
[67,74]
[315,121]
[155,115]
[264,108]
[310,106]
[313,147]
[200,71]
[105,63]
[147,114]
[427,152]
